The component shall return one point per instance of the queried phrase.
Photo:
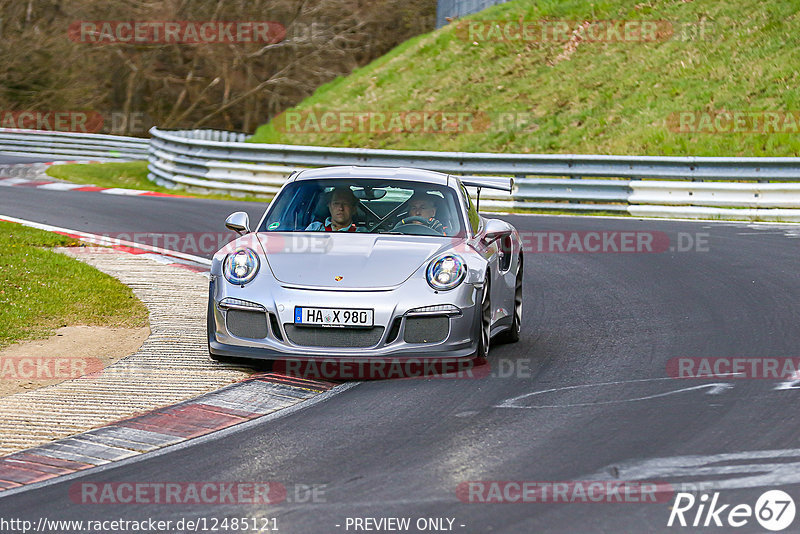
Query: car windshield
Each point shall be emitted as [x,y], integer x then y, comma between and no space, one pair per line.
[365,205]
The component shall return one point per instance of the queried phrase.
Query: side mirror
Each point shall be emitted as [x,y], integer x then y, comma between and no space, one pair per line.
[496,229]
[239,222]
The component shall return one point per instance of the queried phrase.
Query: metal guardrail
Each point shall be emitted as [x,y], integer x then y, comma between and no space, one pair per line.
[681,168]
[205,160]
[38,143]
[218,161]
[450,9]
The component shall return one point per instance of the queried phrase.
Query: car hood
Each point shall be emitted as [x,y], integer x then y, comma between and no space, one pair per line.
[363,261]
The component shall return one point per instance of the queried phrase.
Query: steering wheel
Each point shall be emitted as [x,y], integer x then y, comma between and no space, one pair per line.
[413,225]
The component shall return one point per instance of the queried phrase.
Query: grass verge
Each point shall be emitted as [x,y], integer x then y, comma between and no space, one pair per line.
[42,290]
[584,96]
[128,175]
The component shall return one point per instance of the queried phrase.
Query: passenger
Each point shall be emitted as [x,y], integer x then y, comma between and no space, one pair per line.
[342,206]
[423,205]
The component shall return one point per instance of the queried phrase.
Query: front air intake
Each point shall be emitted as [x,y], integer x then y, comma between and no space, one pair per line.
[308,336]
[426,329]
[247,324]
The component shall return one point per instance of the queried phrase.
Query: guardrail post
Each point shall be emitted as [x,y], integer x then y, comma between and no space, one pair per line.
[575,177]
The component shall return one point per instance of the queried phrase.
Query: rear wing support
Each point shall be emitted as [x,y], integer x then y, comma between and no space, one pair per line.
[491,182]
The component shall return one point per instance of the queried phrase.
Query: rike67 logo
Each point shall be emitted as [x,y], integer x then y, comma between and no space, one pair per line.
[774,510]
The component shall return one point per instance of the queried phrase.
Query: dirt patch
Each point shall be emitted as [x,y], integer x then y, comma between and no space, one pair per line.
[71,352]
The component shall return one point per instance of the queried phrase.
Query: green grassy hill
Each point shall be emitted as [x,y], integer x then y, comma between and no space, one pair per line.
[564,94]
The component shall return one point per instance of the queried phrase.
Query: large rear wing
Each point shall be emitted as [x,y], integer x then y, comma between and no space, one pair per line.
[489,182]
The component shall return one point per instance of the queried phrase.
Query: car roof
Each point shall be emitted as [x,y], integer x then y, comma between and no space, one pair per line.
[351,171]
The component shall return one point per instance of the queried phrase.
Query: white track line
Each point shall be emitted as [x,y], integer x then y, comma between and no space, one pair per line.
[108,241]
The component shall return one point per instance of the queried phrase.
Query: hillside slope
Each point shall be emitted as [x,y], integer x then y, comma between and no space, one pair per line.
[699,78]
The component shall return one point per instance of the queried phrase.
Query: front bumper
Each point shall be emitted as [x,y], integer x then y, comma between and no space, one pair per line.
[393,311]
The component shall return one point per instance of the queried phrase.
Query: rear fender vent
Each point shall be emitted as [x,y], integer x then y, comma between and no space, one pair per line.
[506,249]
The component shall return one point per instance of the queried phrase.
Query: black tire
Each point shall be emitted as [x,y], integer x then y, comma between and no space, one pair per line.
[237,360]
[483,332]
[512,334]
[221,359]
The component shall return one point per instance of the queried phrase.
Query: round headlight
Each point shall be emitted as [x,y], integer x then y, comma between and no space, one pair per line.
[241,266]
[446,272]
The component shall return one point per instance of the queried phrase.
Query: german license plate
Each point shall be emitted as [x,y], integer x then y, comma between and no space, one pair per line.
[307,316]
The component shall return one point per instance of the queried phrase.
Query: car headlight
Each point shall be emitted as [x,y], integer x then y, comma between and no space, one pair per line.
[446,272]
[241,266]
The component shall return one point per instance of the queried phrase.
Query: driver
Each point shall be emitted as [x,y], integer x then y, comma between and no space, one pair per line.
[342,206]
[422,210]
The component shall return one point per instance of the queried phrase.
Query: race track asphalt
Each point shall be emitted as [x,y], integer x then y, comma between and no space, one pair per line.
[586,394]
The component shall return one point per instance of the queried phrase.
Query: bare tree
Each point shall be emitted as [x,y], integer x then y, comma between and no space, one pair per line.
[226,85]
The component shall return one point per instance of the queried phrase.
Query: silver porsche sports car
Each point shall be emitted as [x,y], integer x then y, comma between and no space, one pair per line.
[356,263]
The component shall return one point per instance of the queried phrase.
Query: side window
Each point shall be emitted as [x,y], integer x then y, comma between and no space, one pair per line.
[472,213]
